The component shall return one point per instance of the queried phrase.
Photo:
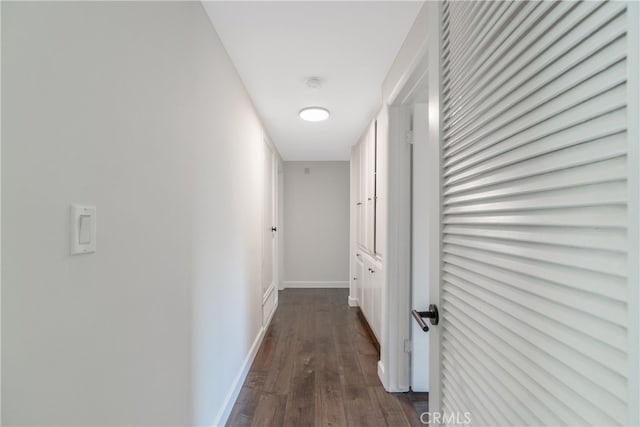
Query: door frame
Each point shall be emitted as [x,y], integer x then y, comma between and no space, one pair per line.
[398,269]
[396,273]
[434,141]
[424,64]
[273,288]
[421,207]
[418,75]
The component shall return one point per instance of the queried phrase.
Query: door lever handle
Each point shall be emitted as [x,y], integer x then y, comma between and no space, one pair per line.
[431,314]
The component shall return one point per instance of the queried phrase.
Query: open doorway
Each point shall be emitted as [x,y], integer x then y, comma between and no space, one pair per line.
[419,296]
[269,237]
[411,236]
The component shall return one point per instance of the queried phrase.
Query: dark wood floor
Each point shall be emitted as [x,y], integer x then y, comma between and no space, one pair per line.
[318,367]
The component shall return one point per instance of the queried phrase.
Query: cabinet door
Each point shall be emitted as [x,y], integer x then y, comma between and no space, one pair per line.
[376,301]
[370,304]
[380,190]
[357,165]
[362,198]
[369,171]
[366,290]
[360,282]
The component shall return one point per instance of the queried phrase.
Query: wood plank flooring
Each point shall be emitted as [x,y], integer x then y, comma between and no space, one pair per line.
[318,367]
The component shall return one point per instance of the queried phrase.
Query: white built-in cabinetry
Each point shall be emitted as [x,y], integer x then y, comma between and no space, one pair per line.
[367,263]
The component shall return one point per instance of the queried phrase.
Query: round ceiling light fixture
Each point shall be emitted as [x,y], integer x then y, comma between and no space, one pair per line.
[314,114]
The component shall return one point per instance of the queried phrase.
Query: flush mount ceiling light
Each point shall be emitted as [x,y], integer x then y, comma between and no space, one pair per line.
[314,114]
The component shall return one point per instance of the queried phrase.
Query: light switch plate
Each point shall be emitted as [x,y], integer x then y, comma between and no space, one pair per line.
[83,229]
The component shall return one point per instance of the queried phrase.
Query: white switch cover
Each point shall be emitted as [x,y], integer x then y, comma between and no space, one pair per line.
[83,229]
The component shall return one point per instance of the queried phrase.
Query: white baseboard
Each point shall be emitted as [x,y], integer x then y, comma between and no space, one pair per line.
[313,285]
[267,294]
[353,302]
[238,382]
[381,374]
[268,322]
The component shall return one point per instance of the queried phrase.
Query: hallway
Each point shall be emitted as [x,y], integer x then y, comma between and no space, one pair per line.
[317,366]
[297,213]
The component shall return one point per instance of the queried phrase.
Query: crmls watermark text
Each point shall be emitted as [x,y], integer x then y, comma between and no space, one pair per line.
[460,418]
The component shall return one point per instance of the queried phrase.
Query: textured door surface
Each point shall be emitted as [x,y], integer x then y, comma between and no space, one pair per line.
[535,289]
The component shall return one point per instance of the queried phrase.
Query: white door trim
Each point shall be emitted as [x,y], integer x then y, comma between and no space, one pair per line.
[307,284]
[421,206]
[268,297]
[435,223]
[395,360]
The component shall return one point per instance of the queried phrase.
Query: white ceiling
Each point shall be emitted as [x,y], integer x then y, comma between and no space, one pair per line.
[276,46]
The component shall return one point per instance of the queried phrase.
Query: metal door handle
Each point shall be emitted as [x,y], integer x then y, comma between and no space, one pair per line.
[431,314]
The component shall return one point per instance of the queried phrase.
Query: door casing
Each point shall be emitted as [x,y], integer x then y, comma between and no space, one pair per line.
[413,88]
[422,73]
[269,293]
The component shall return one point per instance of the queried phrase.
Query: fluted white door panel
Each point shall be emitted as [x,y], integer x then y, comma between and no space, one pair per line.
[535,287]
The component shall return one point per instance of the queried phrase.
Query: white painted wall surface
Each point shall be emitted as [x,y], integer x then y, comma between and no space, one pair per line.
[316,220]
[281,226]
[414,42]
[135,108]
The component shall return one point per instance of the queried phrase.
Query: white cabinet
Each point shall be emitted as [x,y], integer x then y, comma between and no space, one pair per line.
[366,159]
[377,276]
[370,275]
[368,266]
[369,198]
[380,189]
[359,279]
[357,163]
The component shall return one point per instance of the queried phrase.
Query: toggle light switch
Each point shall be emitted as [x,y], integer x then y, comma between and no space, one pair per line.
[83,229]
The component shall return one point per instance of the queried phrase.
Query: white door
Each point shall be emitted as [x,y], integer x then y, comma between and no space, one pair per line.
[419,246]
[538,293]
[269,230]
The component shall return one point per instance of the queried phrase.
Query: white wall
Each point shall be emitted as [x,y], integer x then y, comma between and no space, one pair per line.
[316,222]
[137,109]
[414,43]
[281,227]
